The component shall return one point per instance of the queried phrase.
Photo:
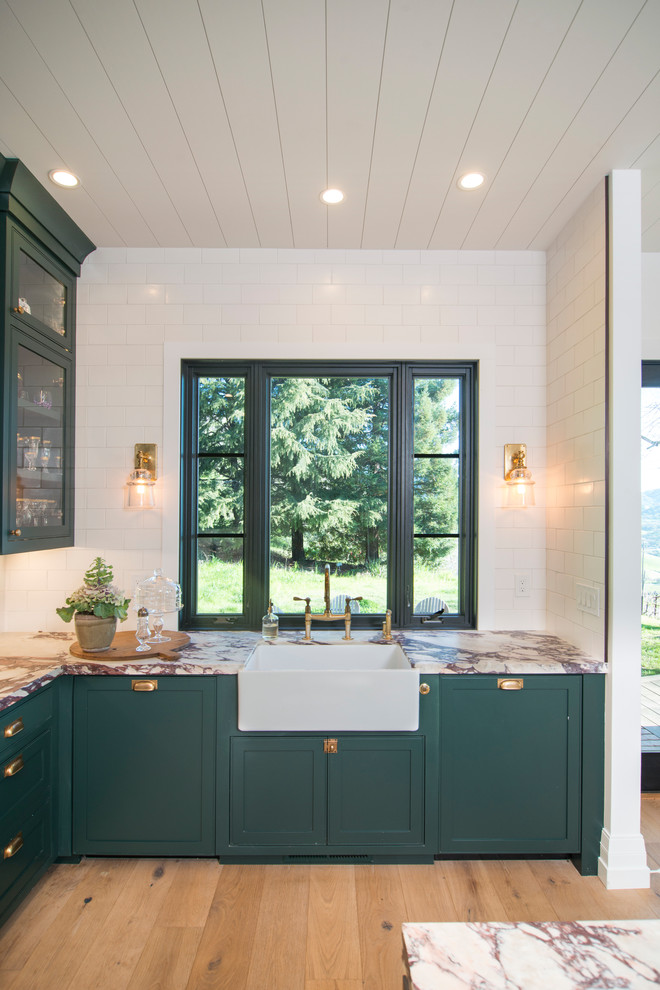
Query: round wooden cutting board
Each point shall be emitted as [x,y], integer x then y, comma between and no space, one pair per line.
[124,647]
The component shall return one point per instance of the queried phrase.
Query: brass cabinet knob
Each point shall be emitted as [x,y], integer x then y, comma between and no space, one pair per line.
[13,847]
[19,309]
[510,683]
[14,728]
[15,532]
[12,768]
[424,689]
[144,685]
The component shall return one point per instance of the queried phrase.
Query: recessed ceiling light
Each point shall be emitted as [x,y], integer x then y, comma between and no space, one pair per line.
[332,196]
[61,177]
[471,180]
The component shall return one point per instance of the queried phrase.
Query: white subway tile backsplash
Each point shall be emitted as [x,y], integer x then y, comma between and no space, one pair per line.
[346,314]
[386,274]
[259,294]
[279,274]
[396,304]
[358,294]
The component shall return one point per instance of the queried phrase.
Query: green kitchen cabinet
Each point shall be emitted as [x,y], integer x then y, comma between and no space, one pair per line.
[28,750]
[144,766]
[324,796]
[41,250]
[510,764]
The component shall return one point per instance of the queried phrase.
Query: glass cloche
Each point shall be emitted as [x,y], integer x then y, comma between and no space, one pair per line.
[158,595]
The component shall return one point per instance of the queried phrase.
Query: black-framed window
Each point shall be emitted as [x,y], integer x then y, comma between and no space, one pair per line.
[366,467]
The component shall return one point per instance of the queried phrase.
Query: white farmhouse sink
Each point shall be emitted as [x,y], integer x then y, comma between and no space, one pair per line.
[344,687]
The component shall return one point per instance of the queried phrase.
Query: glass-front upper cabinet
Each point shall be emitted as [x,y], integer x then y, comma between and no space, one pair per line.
[40,472]
[41,251]
[43,293]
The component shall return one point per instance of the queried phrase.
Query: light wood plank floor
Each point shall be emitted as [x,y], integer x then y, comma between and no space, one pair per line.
[195,925]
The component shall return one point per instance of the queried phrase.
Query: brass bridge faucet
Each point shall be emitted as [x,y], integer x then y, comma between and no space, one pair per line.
[327,615]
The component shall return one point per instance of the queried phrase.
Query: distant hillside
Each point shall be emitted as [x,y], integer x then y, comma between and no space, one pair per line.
[651,519]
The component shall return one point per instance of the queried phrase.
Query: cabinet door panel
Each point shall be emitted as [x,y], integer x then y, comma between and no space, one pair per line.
[144,766]
[31,836]
[40,429]
[277,790]
[510,765]
[376,790]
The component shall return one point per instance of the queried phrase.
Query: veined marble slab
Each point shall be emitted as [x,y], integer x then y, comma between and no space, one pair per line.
[28,661]
[561,955]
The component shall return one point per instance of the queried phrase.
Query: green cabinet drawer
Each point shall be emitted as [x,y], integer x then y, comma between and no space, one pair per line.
[26,773]
[144,766]
[26,850]
[25,719]
[510,764]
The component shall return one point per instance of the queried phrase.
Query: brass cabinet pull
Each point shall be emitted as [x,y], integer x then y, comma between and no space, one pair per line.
[14,728]
[13,847]
[144,685]
[19,309]
[510,683]
[15,532]
[424,689]
[17,764]
[330,746]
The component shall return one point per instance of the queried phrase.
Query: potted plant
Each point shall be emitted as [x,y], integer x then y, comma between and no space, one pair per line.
[96,605]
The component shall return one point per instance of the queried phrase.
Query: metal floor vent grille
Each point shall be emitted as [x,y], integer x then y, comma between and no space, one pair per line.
[328,859]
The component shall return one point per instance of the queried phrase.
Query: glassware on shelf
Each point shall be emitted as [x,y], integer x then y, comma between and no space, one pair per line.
[142,632]
[159,595]
[44,457]
[31,452]
[22,391]
[43,398]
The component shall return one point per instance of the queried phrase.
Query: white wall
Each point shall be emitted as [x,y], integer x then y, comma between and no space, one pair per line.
[136,305]
[651,306]
[576,342]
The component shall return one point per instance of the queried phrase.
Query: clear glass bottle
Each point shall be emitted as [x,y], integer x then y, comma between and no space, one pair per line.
[142,633]
[270,624]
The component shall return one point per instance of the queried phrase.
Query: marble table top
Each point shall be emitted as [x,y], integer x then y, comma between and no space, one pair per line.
[28,661]
[560,955]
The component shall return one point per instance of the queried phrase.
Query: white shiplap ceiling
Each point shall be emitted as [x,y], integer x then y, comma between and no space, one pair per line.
[218,122]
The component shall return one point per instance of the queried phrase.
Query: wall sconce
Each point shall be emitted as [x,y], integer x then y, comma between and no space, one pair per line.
[142,480]
[518,477]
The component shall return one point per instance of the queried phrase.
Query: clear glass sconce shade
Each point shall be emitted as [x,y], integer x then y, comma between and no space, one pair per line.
[140,486]
[519,489]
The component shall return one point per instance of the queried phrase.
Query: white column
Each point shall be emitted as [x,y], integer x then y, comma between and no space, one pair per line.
[622,862]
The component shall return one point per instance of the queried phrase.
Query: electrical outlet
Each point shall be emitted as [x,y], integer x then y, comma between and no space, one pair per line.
[587,599]
[523,585]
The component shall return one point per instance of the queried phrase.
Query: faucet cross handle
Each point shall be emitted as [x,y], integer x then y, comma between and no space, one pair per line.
[358,598]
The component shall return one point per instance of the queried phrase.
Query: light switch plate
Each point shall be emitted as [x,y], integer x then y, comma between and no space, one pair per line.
[587,599]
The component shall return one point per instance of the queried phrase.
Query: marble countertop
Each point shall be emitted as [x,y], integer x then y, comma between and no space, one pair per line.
[560,955]
[28,661]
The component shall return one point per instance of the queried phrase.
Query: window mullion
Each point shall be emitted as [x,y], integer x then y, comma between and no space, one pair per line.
[256,495]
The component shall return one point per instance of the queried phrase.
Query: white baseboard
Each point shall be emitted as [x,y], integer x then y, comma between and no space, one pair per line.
[622,862]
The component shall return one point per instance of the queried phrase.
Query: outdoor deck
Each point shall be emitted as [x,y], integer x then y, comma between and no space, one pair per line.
[651,714]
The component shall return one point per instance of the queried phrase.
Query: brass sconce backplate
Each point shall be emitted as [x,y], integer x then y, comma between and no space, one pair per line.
[146,458]
[512,454]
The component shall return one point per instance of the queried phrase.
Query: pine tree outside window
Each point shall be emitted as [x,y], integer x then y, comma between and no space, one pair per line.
[288,467]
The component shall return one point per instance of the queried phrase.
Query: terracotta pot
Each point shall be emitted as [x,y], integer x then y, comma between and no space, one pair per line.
[94,634]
